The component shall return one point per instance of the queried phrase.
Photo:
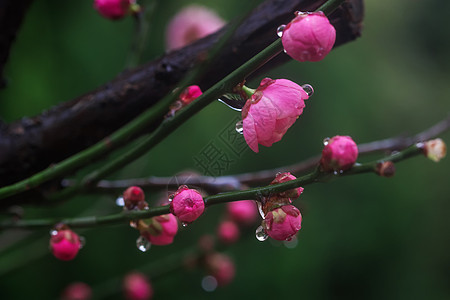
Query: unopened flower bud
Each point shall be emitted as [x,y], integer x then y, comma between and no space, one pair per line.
[187,204]
[159,230]
[339,154]
[385,169]
[221,267]
[77,291]
[136,286]
[190,24]
[308,37]
[134,198]
[190,94]
[283,223]
[244,212]
[228,232]
[435,149]
[284,177]
[112,9]
[64,243]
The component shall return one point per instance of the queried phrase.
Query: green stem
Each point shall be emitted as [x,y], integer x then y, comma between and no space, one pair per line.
[248,91]
[254,193]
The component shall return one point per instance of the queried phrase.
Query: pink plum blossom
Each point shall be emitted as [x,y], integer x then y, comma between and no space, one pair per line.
[221,267]
[308,37]
[271,110]
[339,154]
[190,24]
[284,177]
[243,212]
[65,244]
[112,9]
[187,204]
[77,291]
[134,198]
[283,222]
[137,287]
[159,230]
[190,94]
[228,232]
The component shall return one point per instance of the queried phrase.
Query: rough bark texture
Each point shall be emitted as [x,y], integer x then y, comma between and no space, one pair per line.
[32,144]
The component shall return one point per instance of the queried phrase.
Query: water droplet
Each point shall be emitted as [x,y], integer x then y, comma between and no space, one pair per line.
[184,224]
[260,234]
[308,89]
[280,30]
[326,141]
[120,202]
[292,243]
[209,283]
[82,241]
[260,209]
[335,172]
[143,244]
[53,232]
[240,127]
[233,105]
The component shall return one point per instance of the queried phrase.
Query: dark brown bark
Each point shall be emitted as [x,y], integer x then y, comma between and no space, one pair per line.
[32,144]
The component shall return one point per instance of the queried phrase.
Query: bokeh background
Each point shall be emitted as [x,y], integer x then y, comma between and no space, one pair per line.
[363,237]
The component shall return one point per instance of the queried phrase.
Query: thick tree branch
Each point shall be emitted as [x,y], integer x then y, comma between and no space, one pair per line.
[32,144]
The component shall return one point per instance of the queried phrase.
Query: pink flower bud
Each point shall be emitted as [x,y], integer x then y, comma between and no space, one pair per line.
[284,177]
[308,37]
[159,230]
[222,267]
[187,204]
[271,110]
[228,232]
[77,291]
[435,149]
[283,223]
[339,154]
[244,212]
[137,287]
[65,244]
[134,198]
[190,94]
[190,24]
[112,9]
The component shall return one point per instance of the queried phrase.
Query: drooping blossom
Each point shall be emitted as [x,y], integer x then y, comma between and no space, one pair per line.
[190,24]
[308,37]
[271,110]
[283,222]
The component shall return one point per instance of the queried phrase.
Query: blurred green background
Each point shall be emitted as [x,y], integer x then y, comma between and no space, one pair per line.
[363,237]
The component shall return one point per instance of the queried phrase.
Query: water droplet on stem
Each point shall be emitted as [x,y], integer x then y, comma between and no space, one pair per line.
[280,30]
[120,202]
[261,234]
[240,127]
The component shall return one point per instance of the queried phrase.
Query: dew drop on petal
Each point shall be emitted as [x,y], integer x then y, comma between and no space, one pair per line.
[120,202]
[326,141]
[260,234]
[280,30]
[240,127]
[82,241]
[308,89]
[209,283]
[53,232]
[143,244]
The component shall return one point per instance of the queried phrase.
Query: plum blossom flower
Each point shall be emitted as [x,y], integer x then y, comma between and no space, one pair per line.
[308,37]
[187,204]
[282,223]
[190,24]
[339,154]
[65,244]
[136,286]
[243,212]
[113,9]
[159,230]
[271,110]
